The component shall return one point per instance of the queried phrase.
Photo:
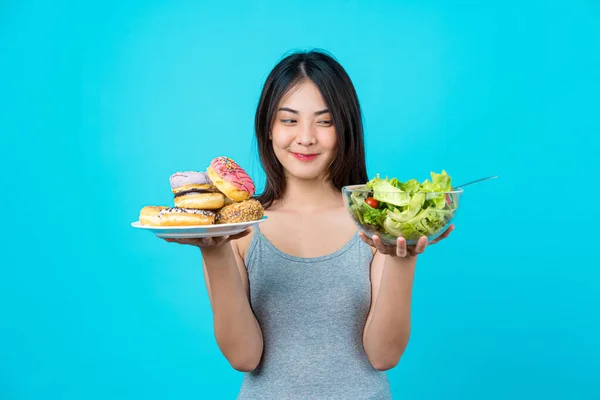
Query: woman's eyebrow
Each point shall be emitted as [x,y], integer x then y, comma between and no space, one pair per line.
[324,111]
[288,110]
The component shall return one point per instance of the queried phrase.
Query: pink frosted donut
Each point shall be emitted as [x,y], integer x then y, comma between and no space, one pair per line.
[230,179]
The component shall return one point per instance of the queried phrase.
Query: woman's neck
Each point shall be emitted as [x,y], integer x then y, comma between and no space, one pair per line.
[306,196]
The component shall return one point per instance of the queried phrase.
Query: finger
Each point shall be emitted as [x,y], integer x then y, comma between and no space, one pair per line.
[421,245]
[444,235]
[217,240]
[401,250]
[383,249]
[366,239]
[181,241]
[184,241]
[240,235]
[447,232]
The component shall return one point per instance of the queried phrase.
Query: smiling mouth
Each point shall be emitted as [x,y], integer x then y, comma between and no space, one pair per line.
[304,157]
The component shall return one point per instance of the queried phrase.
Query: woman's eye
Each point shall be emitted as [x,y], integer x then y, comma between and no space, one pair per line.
[288,121]
[326,123]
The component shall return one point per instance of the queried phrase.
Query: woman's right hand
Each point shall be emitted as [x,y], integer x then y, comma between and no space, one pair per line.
[209,242]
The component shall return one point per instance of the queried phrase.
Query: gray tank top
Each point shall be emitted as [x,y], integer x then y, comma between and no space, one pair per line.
[312,313]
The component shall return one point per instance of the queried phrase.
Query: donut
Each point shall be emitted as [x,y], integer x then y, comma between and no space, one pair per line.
[194,190]
[199,200]
[230,179]
[175,216]
[245,211]
[186,180]
[149,215]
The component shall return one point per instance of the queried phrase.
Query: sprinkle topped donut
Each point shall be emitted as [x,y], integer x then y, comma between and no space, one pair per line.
[230,179]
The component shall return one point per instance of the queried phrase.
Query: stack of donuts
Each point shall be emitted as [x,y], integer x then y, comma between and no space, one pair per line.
[220,195]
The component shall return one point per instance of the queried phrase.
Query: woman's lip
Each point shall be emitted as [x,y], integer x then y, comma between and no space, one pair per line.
[304,157]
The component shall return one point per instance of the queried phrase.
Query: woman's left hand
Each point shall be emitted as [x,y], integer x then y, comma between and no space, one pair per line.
[401,249]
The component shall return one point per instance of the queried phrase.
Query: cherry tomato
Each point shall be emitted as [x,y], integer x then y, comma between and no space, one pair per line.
[372,202]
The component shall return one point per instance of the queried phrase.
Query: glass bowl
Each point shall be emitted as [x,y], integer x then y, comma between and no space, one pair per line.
[415,215]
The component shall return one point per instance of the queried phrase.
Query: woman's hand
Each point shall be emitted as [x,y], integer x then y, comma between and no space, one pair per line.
[209,242]
[401,249]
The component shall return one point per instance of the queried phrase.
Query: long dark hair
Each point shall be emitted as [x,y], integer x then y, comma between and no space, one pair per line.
[329,76]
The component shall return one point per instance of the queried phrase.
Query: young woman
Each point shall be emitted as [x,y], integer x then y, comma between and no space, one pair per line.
[304,304]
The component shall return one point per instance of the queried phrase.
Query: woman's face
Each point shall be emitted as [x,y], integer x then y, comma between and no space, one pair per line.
[303,134]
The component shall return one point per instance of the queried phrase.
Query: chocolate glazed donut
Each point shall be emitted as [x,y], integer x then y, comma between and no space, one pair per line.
[175,216]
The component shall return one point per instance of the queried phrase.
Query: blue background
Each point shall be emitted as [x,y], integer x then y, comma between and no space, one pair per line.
[101,101]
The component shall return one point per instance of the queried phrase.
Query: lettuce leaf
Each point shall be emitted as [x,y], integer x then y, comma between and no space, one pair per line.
[442,181]
[373,216]
[411,186]
[439,183]
[385,192]
[406,230]
[414,206]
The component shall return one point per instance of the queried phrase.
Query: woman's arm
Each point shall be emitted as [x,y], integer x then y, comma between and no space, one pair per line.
[387,329]
[237,331]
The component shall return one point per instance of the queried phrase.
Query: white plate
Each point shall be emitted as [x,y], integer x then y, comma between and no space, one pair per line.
[189,232]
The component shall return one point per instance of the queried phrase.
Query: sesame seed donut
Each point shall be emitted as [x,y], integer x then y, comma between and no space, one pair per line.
[245,211]
[230,179]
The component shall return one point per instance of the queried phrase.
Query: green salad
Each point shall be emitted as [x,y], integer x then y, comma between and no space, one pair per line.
[409,209]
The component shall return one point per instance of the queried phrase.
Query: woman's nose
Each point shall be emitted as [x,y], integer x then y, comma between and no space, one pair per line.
[306,136]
